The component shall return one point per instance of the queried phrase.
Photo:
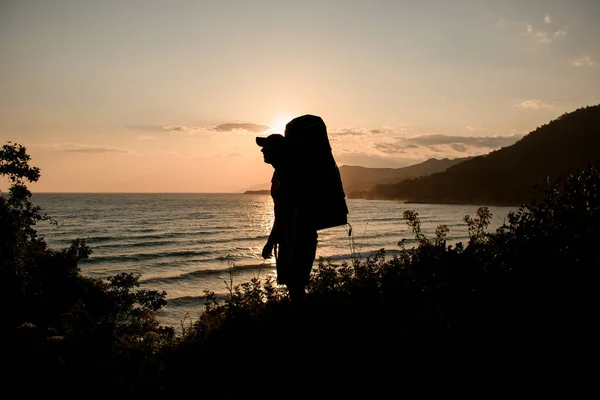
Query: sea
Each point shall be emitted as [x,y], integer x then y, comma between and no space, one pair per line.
[186,244]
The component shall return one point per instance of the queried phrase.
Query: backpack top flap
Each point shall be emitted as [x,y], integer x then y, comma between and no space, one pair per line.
[308,131]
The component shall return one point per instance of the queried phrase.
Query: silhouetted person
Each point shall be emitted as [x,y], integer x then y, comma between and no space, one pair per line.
[292,238]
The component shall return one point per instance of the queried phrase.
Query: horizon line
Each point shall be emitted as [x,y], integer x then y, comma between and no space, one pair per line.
[137,192]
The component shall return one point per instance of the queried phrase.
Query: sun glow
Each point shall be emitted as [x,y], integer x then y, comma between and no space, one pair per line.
[278,125]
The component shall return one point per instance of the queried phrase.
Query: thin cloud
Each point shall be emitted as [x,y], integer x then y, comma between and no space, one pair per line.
[354,132]
[146,128]
[233,126]
[537,104]
[366,132]
[410,150]
[390,148]
[97,150]
[227,127]
[584,61]
[146,137]
[229,155]
[81,148]
[461,148]
[185,130]
[443,146]
[490,142]
[542,37]
[548,19]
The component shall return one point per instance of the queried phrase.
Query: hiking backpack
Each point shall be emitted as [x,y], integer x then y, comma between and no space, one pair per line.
[320,197]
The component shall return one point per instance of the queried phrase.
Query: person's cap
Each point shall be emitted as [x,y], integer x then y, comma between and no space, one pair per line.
[272,140]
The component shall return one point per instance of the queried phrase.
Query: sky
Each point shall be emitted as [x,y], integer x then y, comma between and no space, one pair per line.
[157,96]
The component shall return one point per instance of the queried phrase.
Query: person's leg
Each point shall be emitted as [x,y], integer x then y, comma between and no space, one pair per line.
[301,266]
[297,292]
[282,263]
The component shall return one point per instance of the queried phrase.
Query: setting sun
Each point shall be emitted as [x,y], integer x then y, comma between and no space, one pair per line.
[278,125]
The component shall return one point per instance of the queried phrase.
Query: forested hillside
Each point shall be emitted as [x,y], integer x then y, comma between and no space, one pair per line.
[509,175]
[357,179]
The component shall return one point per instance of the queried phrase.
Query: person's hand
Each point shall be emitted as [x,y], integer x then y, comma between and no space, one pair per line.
[267,251]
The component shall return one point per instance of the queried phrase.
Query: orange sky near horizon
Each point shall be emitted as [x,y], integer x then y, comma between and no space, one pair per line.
[153,96]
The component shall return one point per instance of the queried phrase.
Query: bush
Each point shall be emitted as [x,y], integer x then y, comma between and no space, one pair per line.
[60,324]
[525,289]
[517,292]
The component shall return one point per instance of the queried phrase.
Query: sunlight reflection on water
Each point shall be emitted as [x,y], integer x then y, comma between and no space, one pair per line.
[184,243]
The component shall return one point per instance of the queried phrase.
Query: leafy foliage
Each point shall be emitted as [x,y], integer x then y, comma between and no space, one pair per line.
[503,294]
[64,325]
[524,289]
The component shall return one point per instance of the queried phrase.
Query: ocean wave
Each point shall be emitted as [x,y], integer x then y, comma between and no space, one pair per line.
[167,237]
[377,235]
[387,219]
[138,244]
[205,273]
[161,235]
[186,301]
[177,262]
[146,256]
[240,239]
[141,230]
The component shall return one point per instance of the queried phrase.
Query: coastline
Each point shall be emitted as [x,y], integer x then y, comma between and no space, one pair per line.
[265,191]
[447,202]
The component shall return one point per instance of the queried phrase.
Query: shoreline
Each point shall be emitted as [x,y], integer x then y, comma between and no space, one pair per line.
[448,203]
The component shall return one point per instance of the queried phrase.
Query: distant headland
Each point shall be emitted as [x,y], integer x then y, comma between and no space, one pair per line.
[266,191]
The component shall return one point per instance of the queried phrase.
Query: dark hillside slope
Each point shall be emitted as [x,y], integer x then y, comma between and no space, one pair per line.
[509,175]
[357,179]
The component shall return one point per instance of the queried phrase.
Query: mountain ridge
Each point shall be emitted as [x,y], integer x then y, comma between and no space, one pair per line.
[508,176]
[357,179]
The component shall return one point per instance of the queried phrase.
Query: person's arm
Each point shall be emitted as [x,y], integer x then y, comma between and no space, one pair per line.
[267,251]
